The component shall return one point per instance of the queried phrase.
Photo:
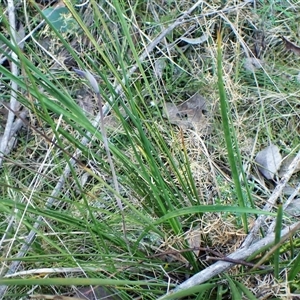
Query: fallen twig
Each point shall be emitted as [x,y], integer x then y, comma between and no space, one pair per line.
[271,202]
[14,87]
[234,261]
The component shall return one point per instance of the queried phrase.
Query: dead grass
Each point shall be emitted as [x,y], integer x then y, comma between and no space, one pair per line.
[264,102]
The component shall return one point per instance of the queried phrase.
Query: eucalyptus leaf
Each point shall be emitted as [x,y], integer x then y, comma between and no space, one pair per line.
[20,36]
[253,63]
[189,114]
[269,161]
[195,41]
[159,67]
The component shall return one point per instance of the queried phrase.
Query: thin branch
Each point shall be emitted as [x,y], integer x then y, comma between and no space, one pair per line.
[271,201]
[286,204]
[234,261]
[54,271]
[268,254]
[14,87]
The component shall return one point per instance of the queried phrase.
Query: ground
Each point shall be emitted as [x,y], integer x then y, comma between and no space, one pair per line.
[197,141]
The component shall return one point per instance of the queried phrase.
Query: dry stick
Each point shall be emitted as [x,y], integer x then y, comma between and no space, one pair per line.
[240,254]
[234,261]
[272,200]
[14,87]
[31,236]
[272,250]
[218,256]
[12,127]
[16,126]
[285,205]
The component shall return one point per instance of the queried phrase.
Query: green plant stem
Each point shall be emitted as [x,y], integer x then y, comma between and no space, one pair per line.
[228,131]
[277,240]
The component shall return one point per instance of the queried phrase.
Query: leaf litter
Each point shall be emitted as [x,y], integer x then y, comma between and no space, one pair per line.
[188,115]
[269,161]
[253,63]
[195,41]
[291,46]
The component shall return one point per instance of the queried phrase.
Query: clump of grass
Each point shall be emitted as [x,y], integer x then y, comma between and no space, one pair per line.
[59,183]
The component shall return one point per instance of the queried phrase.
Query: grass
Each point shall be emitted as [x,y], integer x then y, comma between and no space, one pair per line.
[186,193]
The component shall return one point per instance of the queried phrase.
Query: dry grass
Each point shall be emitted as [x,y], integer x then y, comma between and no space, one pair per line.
[264,107]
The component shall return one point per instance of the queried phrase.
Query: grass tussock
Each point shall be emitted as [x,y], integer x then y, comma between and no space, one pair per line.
[190,93]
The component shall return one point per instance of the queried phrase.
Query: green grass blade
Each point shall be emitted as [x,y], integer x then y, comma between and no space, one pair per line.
[278,227]
[245,290]
[188,292]
[295,269]
[235,293]
[221,290]
[76,281]
[228,131]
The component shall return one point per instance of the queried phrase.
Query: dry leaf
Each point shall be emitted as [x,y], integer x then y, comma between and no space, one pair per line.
[286,162]
[252,63]
[269,161]
[188,115]
[20,36]
[294,207]
[194,239]
[159,66]
[291,46]
[85,99]
[195,41]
